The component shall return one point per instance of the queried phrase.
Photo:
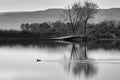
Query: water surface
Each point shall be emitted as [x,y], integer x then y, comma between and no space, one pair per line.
[59,61]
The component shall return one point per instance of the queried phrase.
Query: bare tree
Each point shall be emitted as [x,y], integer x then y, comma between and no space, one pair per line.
[89,9]
[70,15]
[79,13]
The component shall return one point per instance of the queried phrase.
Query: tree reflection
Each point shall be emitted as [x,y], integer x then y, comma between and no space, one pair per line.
[78,52]
[79,63]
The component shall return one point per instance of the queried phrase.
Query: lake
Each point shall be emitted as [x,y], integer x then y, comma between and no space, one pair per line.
[59,60]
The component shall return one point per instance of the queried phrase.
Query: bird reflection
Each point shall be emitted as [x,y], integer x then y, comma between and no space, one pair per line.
[79,63]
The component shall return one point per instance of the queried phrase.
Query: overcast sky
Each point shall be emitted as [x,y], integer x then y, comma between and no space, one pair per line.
[31,5]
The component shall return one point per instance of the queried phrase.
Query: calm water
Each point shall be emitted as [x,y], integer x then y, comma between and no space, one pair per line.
[60,61]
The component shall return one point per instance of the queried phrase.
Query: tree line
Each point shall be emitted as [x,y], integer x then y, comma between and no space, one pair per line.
[103,30]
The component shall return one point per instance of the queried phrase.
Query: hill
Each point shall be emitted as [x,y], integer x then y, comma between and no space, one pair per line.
[13,20]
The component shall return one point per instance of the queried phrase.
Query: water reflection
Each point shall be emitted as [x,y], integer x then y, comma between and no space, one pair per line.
[78,52]
[106,45]
[78,67]
[77,59]
[33,43]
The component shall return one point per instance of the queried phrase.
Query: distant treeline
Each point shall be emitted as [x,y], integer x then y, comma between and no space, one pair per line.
[103,30]
[37,31]
[108,29]
[44,27]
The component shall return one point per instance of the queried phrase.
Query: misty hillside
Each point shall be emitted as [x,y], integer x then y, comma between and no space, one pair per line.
[13,20]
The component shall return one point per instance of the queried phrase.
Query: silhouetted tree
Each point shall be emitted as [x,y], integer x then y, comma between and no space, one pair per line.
[72,18]
[25,27]
[44,27]
[78,14]
[89,10]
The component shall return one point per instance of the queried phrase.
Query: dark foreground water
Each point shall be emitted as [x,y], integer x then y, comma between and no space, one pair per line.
[60,60]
